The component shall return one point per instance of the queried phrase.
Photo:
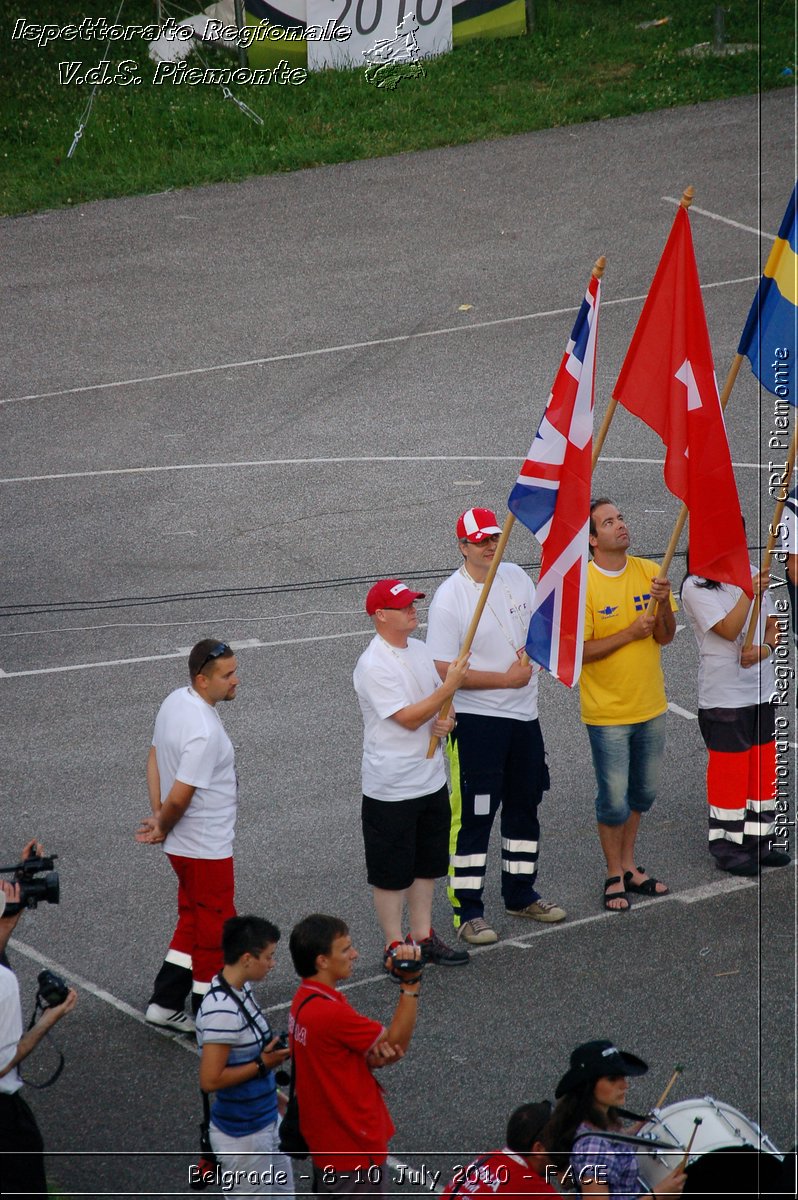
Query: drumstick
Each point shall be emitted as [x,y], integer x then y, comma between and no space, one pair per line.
[676,1073]
[696,1122]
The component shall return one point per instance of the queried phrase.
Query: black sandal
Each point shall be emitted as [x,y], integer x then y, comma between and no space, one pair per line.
[615,896]
[647,888]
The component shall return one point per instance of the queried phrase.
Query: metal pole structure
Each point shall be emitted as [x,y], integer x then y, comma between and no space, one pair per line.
[719,28]
[240,24]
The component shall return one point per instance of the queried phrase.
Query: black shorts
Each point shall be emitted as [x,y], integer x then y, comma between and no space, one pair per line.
[406,839]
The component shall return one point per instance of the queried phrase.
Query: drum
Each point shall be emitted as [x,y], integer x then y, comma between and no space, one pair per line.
[730,1155]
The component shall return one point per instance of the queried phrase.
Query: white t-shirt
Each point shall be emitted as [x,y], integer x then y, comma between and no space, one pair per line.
[722,682]
[10,1029]
[395,764]
[501,633]
[191,745]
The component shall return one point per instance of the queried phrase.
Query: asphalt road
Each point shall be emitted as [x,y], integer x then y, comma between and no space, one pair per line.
[226,412]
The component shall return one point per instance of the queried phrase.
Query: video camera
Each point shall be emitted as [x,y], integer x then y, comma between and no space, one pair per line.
[32,888]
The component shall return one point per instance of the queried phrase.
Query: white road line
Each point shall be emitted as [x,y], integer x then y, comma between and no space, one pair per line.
[99,993]
[692,896]
[249,644]
[228,618]
[682,712]
[246,644]
[185,1043]
[305,462]
[387,341]
[726,220]
[708,891]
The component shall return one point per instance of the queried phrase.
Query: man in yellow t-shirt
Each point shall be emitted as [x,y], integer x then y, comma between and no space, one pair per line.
[622,693]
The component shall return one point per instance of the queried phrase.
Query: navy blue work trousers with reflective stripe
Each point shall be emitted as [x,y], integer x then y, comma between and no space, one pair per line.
[496,762]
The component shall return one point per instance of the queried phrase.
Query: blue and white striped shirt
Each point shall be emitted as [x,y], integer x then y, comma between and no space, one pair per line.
[246,1107]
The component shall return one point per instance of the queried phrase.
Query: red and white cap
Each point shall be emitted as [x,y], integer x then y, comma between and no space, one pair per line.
[390,593]
[477,524]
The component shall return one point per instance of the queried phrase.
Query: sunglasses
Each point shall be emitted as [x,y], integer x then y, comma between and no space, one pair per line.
[217,651]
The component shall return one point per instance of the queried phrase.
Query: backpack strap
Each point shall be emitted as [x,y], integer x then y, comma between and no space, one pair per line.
[307,1000]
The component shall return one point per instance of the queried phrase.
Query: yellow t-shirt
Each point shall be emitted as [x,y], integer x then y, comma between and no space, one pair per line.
[627,686]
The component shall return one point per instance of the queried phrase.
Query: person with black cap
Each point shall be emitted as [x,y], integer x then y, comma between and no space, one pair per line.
[591,1096]
[517,1170]
[405,809]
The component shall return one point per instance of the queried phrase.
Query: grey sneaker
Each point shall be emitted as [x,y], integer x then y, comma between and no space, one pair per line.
[540,910]
[477,932]
[169,1018]
[434,950]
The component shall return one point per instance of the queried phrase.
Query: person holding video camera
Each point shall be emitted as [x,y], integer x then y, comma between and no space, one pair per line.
[343,1116]
[20,1172]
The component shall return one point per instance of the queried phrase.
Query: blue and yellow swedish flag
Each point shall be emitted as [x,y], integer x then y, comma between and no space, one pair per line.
[769,337]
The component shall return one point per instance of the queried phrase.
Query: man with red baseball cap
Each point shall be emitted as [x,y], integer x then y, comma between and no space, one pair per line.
[405,811]
[496,753]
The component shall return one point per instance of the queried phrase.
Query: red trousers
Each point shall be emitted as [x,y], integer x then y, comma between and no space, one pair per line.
[741,781]
[204,903]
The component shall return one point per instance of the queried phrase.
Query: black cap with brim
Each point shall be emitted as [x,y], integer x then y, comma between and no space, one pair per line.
[595,1060]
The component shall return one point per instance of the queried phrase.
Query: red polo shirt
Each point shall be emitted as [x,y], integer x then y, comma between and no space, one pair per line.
[342,1114]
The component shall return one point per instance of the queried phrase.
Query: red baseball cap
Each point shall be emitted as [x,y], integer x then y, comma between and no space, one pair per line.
[390,593]
[477,524]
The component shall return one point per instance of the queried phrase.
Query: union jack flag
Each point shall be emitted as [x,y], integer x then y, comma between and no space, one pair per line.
[552,498]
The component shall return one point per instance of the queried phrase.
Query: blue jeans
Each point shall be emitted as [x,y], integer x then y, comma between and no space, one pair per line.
[626,759]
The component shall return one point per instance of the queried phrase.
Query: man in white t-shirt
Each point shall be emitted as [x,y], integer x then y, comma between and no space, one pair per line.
[193,790]
[405,810]
[496,754]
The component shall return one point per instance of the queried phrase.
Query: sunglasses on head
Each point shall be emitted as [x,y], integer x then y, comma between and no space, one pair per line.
[217,651]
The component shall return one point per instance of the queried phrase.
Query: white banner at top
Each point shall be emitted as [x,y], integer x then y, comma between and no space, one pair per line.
[383,31]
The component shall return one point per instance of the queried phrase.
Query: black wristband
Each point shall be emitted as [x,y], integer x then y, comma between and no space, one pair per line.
[263,1070]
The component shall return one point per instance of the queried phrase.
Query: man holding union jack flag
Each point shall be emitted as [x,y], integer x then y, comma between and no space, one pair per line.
[496,753]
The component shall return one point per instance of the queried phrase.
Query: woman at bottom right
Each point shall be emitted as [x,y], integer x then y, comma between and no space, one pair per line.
[590,1104]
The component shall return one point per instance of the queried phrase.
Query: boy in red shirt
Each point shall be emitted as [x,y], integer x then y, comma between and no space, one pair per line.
[343,1116]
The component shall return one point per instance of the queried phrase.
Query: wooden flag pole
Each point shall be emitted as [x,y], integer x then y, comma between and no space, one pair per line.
[478,611]
[731,379]
[597,272]
[771,542]
[601,436]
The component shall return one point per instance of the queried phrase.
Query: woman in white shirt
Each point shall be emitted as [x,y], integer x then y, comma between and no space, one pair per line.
[736,716]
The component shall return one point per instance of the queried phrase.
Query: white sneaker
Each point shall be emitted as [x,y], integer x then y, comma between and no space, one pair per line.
[169,1018]
[477,932]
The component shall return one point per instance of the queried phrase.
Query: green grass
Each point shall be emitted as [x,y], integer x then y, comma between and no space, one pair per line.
[586,60]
